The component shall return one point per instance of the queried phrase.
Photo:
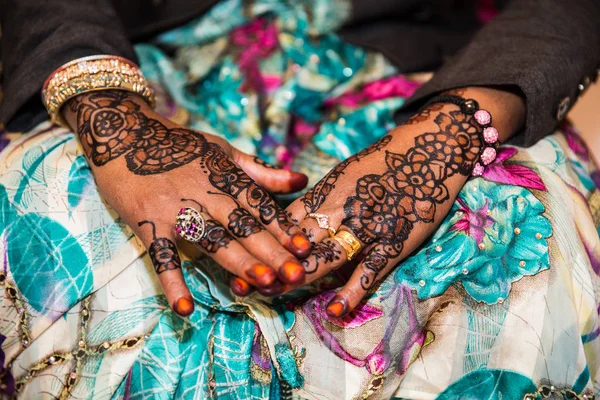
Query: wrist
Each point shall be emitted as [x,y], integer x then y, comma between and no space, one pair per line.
[507,108]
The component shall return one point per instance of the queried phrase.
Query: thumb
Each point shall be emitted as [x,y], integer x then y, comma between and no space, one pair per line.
[268,176]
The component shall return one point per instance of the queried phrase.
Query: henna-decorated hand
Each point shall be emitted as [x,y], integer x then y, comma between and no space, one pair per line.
[394,194]
[148,168]
[391,196]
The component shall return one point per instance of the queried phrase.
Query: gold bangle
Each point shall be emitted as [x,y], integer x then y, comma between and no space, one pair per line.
[349,242]
[88,74]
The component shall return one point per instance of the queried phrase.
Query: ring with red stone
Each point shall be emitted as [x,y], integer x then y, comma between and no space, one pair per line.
[190,224]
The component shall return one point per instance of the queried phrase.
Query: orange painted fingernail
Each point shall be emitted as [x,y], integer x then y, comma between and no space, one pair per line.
[336,308]
[183,306]
[240,286]
[262,274]
[300,242]
[291,272]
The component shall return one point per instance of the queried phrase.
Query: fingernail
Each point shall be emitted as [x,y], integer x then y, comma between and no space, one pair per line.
[291,272]
[262,274]
[300,242]
[298,181]
[183,306]
[273,290]
[240,286]
[336,308]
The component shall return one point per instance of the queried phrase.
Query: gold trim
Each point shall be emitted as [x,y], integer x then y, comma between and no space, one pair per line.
[91,74]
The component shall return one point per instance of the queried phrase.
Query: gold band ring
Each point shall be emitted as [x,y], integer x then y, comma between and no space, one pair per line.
[349,242]
[323,221]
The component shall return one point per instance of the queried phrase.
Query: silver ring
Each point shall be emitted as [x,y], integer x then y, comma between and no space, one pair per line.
[190,224]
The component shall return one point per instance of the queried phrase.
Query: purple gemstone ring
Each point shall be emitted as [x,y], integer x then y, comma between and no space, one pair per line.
[190,224]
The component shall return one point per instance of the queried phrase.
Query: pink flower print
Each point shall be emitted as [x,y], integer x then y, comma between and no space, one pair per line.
[473,222]
[395,86]
[512,174]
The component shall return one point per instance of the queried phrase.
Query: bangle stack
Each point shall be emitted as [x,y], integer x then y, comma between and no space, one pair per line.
[484,119]
[88,74]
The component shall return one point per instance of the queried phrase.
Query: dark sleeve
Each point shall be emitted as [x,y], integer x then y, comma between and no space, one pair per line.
[39,36]
[547,49]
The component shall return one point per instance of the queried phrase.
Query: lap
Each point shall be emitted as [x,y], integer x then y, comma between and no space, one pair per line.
[506,287]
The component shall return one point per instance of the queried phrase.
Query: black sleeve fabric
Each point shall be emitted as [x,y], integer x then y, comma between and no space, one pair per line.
[544,48]
[39,36]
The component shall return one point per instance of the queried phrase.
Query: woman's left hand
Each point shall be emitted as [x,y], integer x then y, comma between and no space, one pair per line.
[390,196]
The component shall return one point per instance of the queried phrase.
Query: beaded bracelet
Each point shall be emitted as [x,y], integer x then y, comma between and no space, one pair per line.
[490,135]
[88,74]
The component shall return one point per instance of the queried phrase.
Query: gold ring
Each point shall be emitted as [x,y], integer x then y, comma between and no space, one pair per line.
[349,242]
[323,221]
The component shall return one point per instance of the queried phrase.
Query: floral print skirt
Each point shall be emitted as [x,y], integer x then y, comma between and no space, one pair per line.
[501,303]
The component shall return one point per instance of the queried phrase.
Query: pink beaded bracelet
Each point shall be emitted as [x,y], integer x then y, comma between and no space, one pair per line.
[484,119]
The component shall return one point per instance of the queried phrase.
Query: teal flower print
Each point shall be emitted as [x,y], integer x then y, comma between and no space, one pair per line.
[494,235]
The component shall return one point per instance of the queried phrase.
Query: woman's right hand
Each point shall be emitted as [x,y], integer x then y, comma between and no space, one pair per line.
[148,168]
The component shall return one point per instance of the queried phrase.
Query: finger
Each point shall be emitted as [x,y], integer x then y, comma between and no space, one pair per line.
[240,286]
[332,253]
[326,256]
[268,176]
[218,243]
[229,178]
[368,272]
[275,219]
[296,211]
[167,264]
[259,242]
[319,226]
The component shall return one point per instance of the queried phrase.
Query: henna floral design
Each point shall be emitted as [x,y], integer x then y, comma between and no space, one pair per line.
[229,178]
[386,207]
[373,210]
[323,252]
[424,114]
[316,196]
[375,261]
[110,125]
[215,238]
[242,224]
[162,252]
